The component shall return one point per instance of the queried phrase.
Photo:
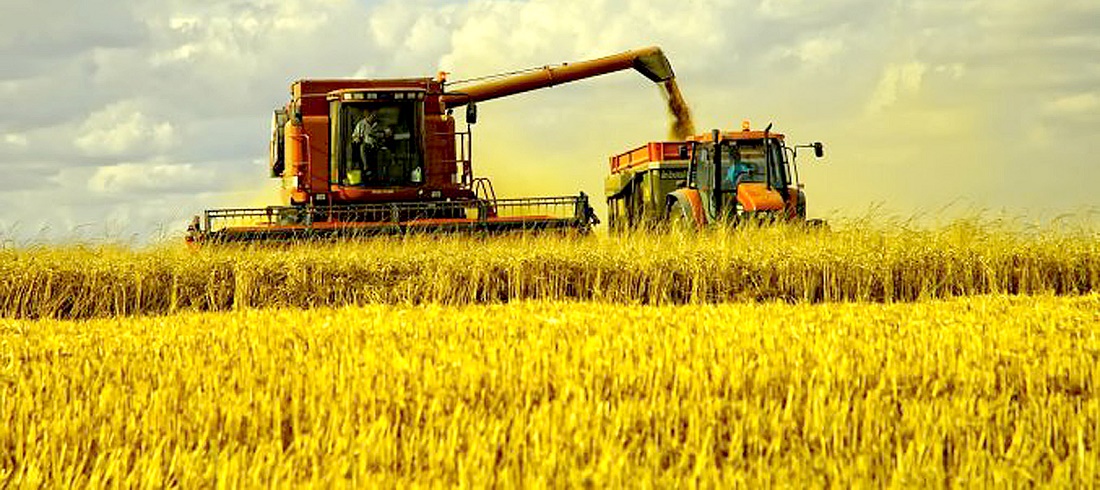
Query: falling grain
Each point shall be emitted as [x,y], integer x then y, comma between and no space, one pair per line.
[681,126]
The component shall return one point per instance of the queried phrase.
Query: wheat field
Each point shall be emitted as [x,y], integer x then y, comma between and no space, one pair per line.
[964,355]
[880,263]
[977,391]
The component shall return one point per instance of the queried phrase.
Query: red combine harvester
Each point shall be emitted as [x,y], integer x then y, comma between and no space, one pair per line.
[363,157]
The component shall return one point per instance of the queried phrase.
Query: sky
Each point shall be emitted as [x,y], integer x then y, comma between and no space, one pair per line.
[124,118]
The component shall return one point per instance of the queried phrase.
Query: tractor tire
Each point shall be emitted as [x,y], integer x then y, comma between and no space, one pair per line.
[800,206]
[680,216]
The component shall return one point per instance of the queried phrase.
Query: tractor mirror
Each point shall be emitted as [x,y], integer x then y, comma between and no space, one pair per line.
[819,149]
[471,114]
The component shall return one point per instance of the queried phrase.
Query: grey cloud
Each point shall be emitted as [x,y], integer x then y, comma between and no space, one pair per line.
[63,94]
[28,176]
[1002,83]
[229,139]
[55,29]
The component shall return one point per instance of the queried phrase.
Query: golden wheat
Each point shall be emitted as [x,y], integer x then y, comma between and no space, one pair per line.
[854,263]
[981,391]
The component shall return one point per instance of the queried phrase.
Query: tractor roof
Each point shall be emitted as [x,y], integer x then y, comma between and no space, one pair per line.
[735,135]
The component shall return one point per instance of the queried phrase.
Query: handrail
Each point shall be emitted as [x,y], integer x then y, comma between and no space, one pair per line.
[534,209]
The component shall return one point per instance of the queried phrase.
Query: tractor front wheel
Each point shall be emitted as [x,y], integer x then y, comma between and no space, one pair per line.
[680,216]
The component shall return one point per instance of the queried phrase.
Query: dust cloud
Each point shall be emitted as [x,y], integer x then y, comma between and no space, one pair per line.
[680,125]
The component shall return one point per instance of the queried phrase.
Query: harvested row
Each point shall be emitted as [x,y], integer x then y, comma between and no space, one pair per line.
[852,264]
[980,392]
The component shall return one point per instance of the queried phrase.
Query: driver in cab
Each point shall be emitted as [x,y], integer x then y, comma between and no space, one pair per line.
[735,172]
[369,137]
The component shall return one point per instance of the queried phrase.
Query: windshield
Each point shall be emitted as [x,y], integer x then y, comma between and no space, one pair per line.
[744,162]
[378,145]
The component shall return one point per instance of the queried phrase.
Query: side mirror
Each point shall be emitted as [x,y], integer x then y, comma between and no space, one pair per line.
[471,114]
[819,149]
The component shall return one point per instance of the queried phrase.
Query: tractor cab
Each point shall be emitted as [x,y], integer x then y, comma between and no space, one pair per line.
[746,174]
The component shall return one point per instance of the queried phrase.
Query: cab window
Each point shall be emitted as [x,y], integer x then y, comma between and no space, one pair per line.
[377,144]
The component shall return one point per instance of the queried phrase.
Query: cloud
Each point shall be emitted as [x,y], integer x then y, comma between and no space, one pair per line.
[816,51]
[15,139]
[123,130]
[805,10]
[144,179]
[897,81]
[37,35]
[1076,105]
[141,110]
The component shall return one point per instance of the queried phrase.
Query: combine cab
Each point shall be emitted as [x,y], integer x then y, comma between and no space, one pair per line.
[360,157]
[724,177]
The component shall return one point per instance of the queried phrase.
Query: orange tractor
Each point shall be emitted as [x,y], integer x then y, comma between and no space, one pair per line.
[725,177]
[383,156]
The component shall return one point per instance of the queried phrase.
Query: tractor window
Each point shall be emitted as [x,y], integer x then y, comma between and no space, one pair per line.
[378,144]
[744,162]
[705,177]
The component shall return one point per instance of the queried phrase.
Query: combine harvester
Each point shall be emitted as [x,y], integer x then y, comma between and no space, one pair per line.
[724,177]
[364,157]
